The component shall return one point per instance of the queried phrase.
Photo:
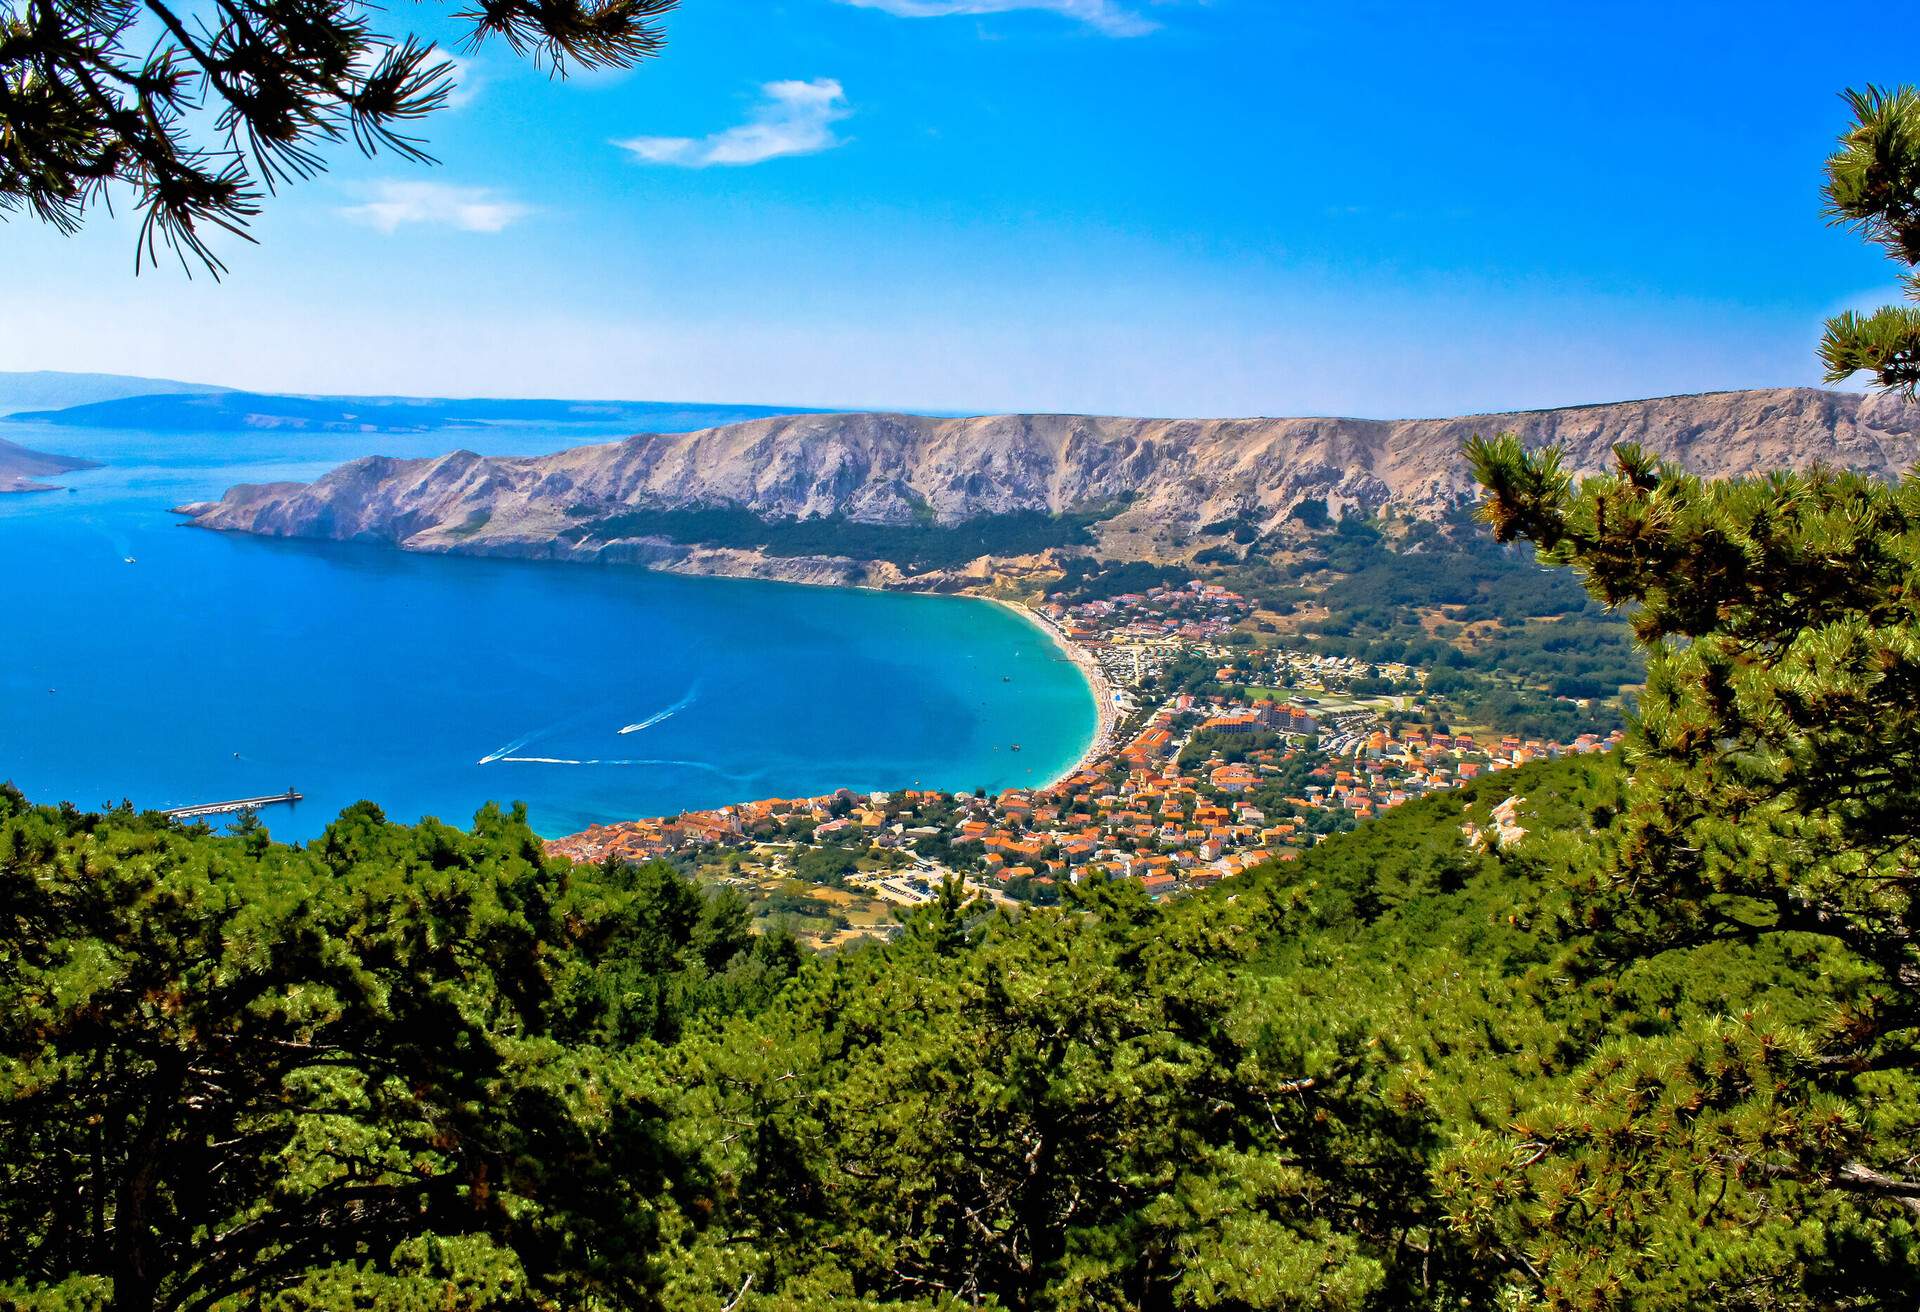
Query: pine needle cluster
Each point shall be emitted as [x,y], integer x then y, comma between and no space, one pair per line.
[233,99]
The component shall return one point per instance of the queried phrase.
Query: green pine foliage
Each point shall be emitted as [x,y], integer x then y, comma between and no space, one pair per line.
[1871,184]
[408,1060]
[1083,1109]
[411,1066]
[1775,792]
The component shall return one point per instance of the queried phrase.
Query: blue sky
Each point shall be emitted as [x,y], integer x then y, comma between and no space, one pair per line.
[1129,206]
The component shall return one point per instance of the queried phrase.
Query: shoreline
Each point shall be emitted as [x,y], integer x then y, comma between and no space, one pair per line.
[1106,727]
[1106,715]
[1103,741]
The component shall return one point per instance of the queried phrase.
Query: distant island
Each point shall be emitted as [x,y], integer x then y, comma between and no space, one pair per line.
[169,410]
[20,468]
[47,389]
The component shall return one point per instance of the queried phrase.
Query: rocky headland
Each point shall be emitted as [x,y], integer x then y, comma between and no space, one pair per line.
[1139,486]
[20,469]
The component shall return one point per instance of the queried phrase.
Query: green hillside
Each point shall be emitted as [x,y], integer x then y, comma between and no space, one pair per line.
[411,1066]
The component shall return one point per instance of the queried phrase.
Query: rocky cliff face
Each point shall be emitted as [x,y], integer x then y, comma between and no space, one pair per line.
[1175,474]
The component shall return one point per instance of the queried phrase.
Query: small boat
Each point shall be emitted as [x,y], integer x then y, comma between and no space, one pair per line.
[128,559]
[1016,747]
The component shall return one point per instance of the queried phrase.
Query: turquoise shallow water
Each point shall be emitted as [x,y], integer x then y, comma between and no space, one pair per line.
[218,666]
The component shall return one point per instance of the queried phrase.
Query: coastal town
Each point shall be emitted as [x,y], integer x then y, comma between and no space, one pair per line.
[1179,789]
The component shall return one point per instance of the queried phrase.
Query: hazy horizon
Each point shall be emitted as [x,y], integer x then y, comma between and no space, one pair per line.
[1050,205]
[205,388]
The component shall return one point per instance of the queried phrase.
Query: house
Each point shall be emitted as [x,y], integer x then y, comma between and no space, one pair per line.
[1233,778]
[1158,885]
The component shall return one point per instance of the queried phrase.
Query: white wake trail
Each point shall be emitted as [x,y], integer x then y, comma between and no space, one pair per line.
[654,762]
[510,754]
[520,743]
[506,752]
[693,695]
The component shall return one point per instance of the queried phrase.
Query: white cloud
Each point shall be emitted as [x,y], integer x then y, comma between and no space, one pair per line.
[438,204]
[794,118]
[1105,15]
[466,81]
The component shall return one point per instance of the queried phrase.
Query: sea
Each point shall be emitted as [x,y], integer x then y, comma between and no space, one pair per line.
[167,666]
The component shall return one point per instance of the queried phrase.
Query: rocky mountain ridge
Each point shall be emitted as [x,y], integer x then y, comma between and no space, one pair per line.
[1153,480]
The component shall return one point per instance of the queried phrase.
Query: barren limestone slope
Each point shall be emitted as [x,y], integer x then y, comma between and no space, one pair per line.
[1173,474]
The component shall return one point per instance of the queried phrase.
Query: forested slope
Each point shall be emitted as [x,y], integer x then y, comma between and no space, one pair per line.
[410,1066]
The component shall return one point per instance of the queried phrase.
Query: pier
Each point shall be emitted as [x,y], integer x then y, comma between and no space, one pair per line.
[228,808]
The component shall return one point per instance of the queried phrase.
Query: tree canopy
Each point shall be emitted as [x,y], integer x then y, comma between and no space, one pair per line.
[1774,799]
[406,1058]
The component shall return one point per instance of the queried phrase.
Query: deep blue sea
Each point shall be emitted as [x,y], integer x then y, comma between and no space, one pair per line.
[217,666]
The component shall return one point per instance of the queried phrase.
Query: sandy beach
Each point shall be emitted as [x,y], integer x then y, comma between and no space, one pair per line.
[1109,715]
